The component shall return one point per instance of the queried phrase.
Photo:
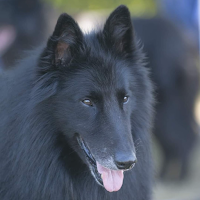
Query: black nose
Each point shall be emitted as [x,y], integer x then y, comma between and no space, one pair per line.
[125,162]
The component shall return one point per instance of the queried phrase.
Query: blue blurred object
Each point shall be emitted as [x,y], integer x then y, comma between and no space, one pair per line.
[1,65]
[22,26]
[172,60]
[182,12]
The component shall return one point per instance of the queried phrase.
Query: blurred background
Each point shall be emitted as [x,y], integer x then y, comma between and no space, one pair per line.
[169,32]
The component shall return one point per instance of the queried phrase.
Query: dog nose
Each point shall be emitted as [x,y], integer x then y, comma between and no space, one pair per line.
[125,162]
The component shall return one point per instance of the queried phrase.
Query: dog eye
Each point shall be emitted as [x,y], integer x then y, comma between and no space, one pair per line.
[125,100]
[87,102]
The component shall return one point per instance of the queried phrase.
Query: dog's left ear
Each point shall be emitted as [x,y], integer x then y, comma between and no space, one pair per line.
[118,31]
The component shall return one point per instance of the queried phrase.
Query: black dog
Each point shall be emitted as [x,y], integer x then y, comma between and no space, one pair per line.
[74,114]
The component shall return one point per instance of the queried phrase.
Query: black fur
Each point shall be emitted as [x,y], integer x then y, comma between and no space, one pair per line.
[42,113]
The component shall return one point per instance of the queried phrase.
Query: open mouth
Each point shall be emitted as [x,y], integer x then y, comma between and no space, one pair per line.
[92,162]
[111,180]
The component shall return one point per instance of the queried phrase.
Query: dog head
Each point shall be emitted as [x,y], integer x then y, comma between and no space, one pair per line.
[95,80]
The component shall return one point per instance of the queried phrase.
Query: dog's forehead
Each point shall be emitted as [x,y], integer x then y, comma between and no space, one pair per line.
[107,80]
[101,78]
[108,73]
[102,64]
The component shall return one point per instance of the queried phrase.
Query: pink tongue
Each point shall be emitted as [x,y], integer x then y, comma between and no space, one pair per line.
[112,179]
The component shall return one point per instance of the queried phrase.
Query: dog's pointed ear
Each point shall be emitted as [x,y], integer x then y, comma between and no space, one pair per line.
[118,31]
[65,42]
[69,37]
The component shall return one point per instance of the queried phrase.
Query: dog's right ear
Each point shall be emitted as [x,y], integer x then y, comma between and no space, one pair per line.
[65,42]
[62,46]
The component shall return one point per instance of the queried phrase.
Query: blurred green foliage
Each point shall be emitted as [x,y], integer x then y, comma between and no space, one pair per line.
[137,7]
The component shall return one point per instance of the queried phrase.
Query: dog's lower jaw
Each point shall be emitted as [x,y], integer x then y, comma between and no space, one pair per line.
[97,177]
